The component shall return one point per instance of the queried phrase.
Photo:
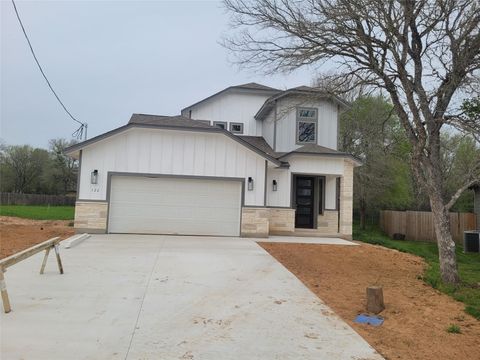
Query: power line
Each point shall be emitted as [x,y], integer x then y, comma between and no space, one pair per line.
[83,126]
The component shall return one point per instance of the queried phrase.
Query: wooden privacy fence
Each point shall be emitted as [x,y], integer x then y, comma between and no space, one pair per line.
[35,199]
[418,225]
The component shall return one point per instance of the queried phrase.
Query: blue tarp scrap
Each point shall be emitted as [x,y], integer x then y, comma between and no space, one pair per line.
[373,320]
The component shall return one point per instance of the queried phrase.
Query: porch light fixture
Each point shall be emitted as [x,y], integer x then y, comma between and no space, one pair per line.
[274,185]
[94,177]
[250,183]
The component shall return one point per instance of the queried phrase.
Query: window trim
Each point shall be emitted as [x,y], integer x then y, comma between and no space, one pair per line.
[236,132]
[224,123]
[313,120]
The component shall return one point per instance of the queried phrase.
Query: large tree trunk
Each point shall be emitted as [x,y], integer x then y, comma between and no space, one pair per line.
[446,245]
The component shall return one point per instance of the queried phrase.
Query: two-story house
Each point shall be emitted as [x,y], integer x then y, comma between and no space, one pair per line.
[249,160]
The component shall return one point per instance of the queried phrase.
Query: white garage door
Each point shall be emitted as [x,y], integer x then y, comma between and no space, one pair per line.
[170,205]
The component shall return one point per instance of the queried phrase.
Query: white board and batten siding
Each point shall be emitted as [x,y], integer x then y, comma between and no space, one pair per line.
[174,205]
[161,151]
[233,106]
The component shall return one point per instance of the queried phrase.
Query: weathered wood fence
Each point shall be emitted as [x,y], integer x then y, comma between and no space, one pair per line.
[35,199]
[418,225]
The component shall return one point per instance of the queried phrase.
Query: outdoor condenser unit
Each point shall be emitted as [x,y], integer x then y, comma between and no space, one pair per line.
[471,241]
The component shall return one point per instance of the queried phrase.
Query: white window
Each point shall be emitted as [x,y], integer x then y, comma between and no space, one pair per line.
[306,131]
[236,128]
[220,124]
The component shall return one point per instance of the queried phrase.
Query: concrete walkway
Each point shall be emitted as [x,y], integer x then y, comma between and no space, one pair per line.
[166,297]
[307,240]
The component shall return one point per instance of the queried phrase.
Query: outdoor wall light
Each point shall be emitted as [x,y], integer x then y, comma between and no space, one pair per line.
[274,185]
[94,177]
[250,184]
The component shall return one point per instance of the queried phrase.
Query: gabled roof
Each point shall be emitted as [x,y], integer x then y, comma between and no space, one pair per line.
[308,149]
[314,149]
[177,122]
[252,86]
[299,90]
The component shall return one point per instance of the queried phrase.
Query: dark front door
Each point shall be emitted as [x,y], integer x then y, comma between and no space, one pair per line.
[304,201]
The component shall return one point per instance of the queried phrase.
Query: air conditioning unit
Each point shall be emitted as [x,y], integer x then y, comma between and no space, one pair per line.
[471,241]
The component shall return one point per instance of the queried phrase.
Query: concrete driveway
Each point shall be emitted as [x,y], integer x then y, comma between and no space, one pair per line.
[169,297]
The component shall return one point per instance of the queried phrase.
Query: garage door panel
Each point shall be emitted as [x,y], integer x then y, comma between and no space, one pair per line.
[173,212]
[171,205]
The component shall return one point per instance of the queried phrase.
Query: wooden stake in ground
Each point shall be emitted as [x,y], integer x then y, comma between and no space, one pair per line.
[375,302]
[3,288]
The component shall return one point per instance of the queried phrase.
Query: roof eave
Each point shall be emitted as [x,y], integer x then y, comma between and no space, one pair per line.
[268,104]
[356,160]
[273,91]
[74,148]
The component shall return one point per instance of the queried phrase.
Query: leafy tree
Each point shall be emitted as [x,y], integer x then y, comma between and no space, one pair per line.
[460,158]
[21,166]
[24,169]
[370,131]
[64,167]
[420,52]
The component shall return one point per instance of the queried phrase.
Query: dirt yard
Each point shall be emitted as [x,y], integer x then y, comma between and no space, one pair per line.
[416,315]
[17,234]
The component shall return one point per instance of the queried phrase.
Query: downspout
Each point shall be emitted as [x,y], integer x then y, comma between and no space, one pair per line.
[275,127]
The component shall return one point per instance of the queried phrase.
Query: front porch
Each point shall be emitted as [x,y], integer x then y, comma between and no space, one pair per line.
[308,216]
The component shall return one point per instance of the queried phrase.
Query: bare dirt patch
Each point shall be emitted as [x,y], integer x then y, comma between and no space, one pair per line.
[17,234]
[416,315]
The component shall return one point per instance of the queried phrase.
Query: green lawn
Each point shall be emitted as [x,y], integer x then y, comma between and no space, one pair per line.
[467,292]
[38,212]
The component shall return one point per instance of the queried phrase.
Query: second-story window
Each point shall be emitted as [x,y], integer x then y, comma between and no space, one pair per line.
[220,124]
[307,120]
[236,128]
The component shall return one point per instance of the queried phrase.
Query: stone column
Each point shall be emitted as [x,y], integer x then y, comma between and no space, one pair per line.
[346,200]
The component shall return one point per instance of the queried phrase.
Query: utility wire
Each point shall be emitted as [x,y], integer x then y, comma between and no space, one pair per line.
[83,126]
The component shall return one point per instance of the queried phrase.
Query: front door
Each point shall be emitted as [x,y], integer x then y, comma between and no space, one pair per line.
[304,201]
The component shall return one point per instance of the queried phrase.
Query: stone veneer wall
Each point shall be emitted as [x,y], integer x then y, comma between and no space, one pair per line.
[281,221]
[91,216]
[328,222]
[346,200]
[255,222]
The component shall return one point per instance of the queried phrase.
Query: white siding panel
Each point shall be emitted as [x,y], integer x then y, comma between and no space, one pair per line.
[281,197]
[268,125]
[316,165]
[157,151]
[233,107]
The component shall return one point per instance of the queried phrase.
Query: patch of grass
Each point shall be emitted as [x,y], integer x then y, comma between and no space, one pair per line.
[38,212]
[454,329]
[467,292]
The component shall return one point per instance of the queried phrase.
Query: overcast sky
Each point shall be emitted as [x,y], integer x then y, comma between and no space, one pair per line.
[110,59]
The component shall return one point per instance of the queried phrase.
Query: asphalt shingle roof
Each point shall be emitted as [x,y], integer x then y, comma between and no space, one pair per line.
[260,143]
[177,120]
[255,86]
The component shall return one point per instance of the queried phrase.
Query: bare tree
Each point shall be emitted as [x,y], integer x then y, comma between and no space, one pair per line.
[420,52]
